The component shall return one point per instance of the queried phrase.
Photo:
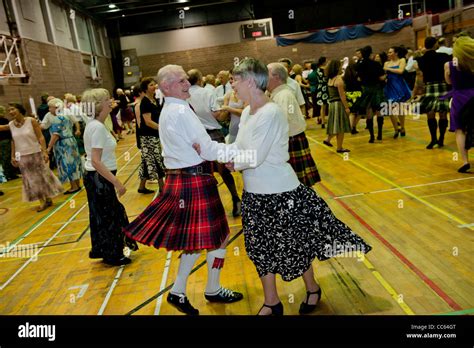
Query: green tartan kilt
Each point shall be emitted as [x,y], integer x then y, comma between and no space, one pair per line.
[432,101]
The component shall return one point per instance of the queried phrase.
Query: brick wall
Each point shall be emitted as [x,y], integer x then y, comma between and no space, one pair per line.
[214,59]
[64,71]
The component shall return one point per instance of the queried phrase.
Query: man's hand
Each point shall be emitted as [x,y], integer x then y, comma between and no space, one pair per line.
[197,147]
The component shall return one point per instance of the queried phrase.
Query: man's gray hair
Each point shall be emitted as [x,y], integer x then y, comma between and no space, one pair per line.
[278,70]
[166,73]
[254,69]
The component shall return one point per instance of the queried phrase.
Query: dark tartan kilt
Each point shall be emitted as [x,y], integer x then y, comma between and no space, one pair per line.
[302,161]
[187,215]
[372,97]
[432,101]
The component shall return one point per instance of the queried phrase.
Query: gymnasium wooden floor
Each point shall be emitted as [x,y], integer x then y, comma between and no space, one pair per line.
[409,203]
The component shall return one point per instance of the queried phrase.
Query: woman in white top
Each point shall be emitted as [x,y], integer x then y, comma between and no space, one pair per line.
[107,215]
[234,106]
[30,155]
[285,223]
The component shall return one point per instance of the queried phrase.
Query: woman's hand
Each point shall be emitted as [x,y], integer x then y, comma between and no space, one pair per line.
[45,156]
[14,163]
[78,133]
[120,189]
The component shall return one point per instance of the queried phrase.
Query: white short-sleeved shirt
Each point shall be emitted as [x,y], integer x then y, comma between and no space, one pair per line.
[96,136]
[295,86]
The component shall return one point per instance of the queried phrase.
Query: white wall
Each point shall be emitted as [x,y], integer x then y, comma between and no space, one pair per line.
[29,17]
[62,31]
[184,39]
[83,35]
[3,21]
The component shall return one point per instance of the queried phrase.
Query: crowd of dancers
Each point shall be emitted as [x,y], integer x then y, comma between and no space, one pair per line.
[253,122]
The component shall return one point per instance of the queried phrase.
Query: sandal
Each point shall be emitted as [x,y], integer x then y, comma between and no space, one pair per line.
[306,308]
[277,309]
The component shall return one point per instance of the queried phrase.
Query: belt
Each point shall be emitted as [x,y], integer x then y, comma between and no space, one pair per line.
[194,170]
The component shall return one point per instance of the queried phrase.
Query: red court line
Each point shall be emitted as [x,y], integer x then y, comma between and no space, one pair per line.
[397,253]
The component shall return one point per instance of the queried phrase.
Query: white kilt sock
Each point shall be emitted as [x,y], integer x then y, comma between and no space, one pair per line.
[215,262]
[185,267]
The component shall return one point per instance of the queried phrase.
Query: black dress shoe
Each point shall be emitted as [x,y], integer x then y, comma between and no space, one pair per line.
[306,308]
[1,193]
[327,143]
[145,191]
[181,303]
[224,296]
[464,168]
[95,254]
[237,209]
[403,133]
[118,262]
[431,145]
[277,309]
[343,150]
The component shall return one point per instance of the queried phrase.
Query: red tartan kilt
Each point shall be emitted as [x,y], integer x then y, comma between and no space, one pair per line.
[187,215]
[302,161]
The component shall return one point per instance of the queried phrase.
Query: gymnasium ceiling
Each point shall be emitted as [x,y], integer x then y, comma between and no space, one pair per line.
[144,16]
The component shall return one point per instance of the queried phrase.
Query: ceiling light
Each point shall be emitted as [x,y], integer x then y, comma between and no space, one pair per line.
[186,8]
[123,15]
[112,6]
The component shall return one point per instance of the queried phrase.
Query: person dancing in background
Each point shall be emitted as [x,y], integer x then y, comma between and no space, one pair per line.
[396,89]
[460,74]
[298,146]
[30,155]
[107,215]
[432,66]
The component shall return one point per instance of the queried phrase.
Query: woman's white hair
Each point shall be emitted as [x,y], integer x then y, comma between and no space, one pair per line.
[56,102]
[254,69]
[94,99]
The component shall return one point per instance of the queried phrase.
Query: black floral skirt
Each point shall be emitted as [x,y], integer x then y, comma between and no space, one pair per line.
[107,217]
[284,232]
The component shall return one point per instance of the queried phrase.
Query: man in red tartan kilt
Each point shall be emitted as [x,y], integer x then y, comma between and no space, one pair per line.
[298,146]
[188,215]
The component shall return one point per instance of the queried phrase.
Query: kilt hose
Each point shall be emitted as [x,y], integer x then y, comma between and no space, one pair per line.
[188,215]
[302,161]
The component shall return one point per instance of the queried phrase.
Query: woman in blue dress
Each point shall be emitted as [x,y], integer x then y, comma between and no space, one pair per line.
[396,90]
[65,146]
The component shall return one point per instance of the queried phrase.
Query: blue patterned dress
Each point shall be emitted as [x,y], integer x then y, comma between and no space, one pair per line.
[66,151]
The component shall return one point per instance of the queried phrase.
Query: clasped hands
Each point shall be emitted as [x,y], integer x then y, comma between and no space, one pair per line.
[228,165]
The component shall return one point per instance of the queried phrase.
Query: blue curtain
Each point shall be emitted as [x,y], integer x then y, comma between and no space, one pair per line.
[345,33]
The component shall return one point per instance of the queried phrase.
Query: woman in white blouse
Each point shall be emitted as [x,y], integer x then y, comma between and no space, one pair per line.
[285,224]
[107,215]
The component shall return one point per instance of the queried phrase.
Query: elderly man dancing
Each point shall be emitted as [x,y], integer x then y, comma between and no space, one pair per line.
[188,215]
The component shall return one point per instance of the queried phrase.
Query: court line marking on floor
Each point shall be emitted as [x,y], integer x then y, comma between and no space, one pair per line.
[388,287]
[403,187]
[50,239]
[463,312]
[45,218]
[431,284]
[35,256]
[39,223]
[447,193]
[408,193]
[111,290]
[164,279]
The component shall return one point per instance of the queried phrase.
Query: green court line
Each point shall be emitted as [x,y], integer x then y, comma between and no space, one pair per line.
[463,312]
